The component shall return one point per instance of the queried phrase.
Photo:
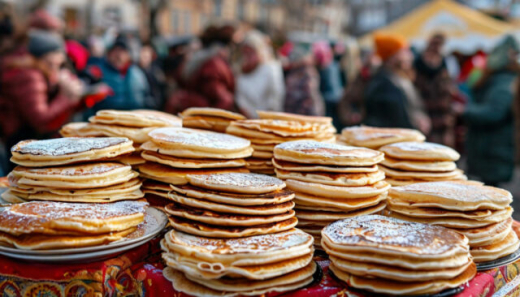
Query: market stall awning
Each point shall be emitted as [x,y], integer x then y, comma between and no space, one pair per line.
[467,30]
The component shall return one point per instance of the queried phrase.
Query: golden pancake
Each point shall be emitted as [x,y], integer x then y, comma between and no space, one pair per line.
[263,147]
[333,179]
[213,112]
[177,176]
[244,183]
[129,186]
[216,124]
[62,151]
[257,250]
[292,166]
[224,219]
[389,236]
[182,284]
[433,176]
[338,192]
[200,229]
[347,204]
[78,129]
[375,138]
[9,197]
[137,135]
[300,206]
[432,212]
[284,116]
[131,159]
[194,154]
[452,195]
[136,118]
[507,246]
[423,151]
[275,197]
[370,270]
[71,218]
[46,242]
[407,165]
[198,140]
[286,128]
[256,136]
[313,152]
[487,235]
[262,155]
[268,209]
[383,286]
[191,163]
[192,266]
[334,216]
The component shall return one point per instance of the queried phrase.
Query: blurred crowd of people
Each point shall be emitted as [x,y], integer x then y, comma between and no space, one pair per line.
[47,80]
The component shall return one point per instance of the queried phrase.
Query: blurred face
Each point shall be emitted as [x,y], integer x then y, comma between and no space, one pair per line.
[52,63]
[119,58]
[146,57]
[250,58]
[436,44]
[403,59]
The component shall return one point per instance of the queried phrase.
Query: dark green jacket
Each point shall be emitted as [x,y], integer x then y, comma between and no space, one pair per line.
[490,138]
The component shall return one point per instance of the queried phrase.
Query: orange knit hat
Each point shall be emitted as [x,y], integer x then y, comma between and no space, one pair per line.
[388,44]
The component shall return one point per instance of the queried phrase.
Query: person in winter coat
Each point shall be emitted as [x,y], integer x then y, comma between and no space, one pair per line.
[260,83]
[36,96]
[302,83]
[205,78]
[490,118]
[127,81]
[391,99]
[438,91]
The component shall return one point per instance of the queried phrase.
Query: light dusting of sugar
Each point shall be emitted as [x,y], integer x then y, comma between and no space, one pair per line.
[65,146]
[200,138]
[310,147]
[259,243]
[389,232]
[413,146]
[245,180]
[458,191]
[368,133]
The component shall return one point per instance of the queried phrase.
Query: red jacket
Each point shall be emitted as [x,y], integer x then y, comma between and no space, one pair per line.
[211,85]
[26,99]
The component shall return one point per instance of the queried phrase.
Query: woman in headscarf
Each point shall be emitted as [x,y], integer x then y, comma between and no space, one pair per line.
[260,84]
[490,117]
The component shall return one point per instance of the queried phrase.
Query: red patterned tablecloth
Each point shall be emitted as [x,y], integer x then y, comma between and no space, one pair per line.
[139,273]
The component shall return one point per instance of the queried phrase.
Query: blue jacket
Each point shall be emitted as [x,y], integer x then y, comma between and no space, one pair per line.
[330,82]
[131,89]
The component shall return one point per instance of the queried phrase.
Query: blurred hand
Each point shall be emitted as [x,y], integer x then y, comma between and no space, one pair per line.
[70,86]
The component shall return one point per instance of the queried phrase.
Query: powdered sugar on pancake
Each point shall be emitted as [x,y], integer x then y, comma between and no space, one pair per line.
[65,146]
[244,180]
[199,138]
[253,244]
[412,146]
[324,149]
[456,191]
[74,170]
[393,234]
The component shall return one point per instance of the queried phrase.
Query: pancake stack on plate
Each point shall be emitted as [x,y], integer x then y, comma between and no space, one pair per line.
[331,182]
[231,205]
[393,257]
[72,170]
[134,125]
[274,128]
[251,266]
[414,162]
[482,213]
[374,138]
[207,118]
[55,225]
[174,153]
[234,236]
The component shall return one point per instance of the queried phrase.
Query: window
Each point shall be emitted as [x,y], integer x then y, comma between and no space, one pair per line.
[175,21]
[217,8]
[240,10]
[187,22]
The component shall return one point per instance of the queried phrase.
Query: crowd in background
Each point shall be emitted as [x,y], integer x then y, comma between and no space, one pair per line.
[47,80]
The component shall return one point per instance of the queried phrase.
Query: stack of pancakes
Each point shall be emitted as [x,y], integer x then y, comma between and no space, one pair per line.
[374,138]
[482,213]
[72,170]
[134,125]
[331,182]
[231,205]
[248,266]
[54,225]
[274,128]
[234,236]
[208,118]
[174,153]
[414,162]
[388,256]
